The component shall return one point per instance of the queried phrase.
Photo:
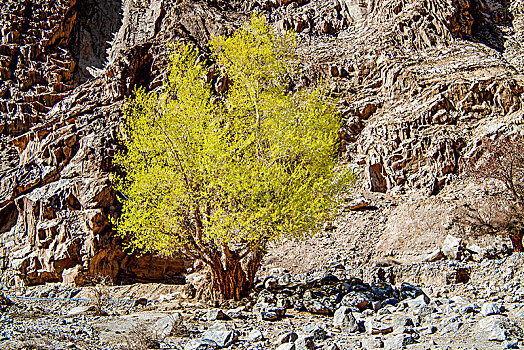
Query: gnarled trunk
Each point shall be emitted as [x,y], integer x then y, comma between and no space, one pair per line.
[233,274]
[516,241]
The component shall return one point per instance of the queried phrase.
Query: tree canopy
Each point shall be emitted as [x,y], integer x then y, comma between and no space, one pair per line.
[216,176]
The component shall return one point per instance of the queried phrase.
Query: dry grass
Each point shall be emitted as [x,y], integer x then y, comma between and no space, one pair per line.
[100,293]
[141,338]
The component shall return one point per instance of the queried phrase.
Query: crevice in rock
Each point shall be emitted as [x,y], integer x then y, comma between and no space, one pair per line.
[8,218]
[488,21]
[96,24]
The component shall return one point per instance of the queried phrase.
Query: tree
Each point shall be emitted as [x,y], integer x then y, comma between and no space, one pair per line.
[500,212]
[216,177]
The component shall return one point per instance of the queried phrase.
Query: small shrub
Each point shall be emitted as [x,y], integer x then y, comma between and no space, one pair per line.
[142,337]
[499,162]
[100,293]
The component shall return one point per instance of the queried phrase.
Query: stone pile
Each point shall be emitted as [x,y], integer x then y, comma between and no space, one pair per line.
[326,295]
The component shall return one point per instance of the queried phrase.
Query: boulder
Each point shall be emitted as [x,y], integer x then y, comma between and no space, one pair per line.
[305,342]
[81,310]
[436,255]
[268,312]
[286,346]
[288,337]
[216,314]
[221,335]
[493,328]
[372,343]
[410,291]
[140,302]
[356,299]
[199,344]
[344,320]
[316,331]
[167,326]
[452,247]
[255,335]
[316,306]
[488,309]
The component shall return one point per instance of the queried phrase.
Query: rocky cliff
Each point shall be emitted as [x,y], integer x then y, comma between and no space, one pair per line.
[420,83]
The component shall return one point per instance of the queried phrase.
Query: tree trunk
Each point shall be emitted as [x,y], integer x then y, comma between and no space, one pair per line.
[233,277]
[516,241]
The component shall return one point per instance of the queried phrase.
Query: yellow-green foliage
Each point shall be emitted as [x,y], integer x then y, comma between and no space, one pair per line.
[204,172]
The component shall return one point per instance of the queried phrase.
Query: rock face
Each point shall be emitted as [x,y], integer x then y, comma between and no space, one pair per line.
[430,78]
[421,83]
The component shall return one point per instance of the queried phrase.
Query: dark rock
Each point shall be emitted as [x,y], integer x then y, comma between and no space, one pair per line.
[329,280]
[268,312]
[391,301]
[383,291]
[216,314]
[5,301]
[409,291]
[140,302]
[271,283]
[289,337]
[269,316]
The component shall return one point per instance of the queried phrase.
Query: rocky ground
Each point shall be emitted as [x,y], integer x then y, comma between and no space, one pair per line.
[336,308]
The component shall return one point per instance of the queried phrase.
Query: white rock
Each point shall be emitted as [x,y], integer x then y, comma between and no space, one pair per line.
[452,247]
[287,346]
[344,320]
[255,335]
[164,327]
[490,309]
[80,310]
[492,328]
